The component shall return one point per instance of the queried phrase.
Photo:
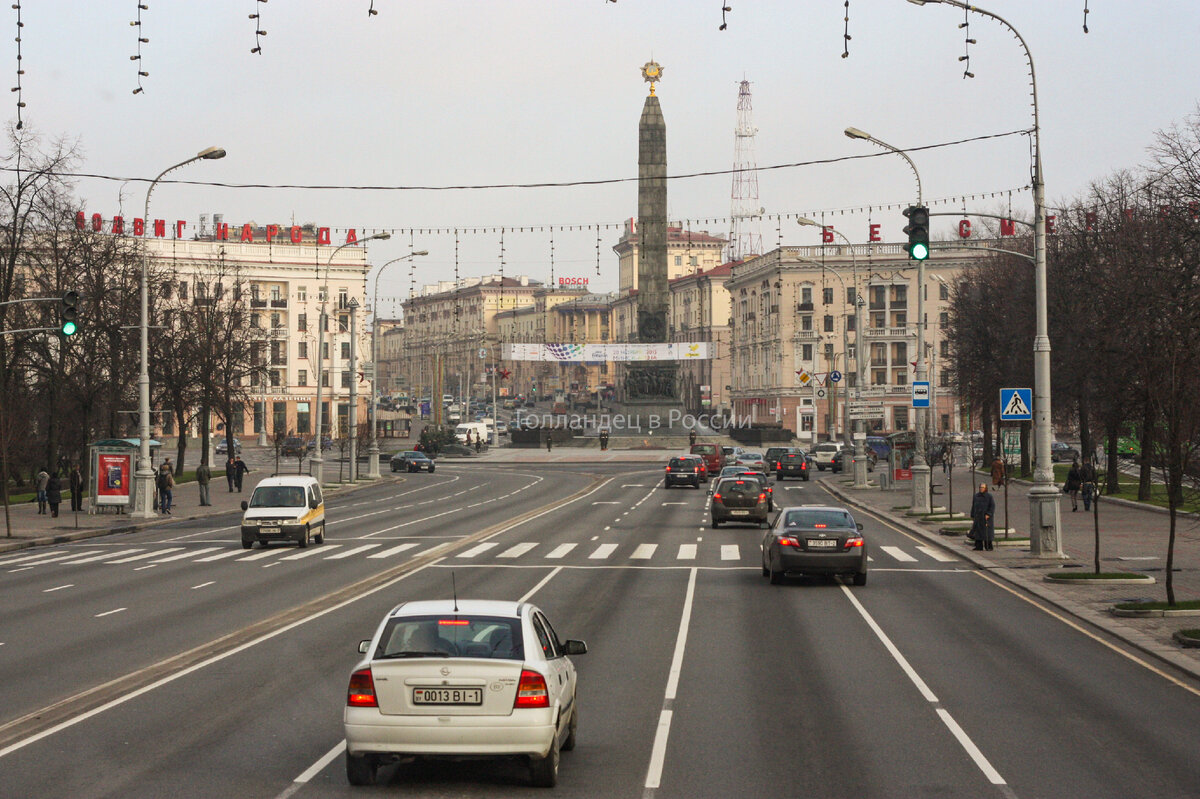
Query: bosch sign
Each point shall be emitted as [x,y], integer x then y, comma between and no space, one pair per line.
[572,281]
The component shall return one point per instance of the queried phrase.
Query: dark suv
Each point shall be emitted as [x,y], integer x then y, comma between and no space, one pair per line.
[682,471]
[739,499]
[790,464]
[293,447]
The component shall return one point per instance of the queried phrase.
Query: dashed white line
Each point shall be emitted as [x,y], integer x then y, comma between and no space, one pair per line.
[58,588]
[109,612]
[203,585]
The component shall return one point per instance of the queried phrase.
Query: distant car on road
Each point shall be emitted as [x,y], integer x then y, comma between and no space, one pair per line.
[682,471]
[412,461]
[1063,453]
[815,540]
[462,679]
[223,445]
[791,464]
[712,455]
[699,461]
[752,460]
[738,499]
[826,455]
[326,443]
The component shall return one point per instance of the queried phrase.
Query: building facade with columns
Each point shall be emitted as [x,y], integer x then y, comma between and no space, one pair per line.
[699,311]
[792,327]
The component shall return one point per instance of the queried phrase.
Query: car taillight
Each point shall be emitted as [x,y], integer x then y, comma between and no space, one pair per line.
[778,465]
[789,541]
[531,690]
[856,541]
[804,465]
[362,690]
[668,468]
[762,496]
[717,497]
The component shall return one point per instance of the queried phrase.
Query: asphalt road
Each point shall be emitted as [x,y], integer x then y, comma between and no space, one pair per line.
[701,680]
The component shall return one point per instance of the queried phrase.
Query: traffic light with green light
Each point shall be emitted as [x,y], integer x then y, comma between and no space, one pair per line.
[68,314]
[918,232]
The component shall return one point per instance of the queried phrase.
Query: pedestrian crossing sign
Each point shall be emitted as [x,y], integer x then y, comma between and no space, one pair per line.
[1016,404]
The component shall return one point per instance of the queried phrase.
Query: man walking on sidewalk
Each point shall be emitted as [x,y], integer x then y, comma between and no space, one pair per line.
[42,479]
[76,485]
[983,527]
[203,476]
[230,472]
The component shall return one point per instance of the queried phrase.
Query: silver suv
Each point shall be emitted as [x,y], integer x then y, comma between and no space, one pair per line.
[826,455]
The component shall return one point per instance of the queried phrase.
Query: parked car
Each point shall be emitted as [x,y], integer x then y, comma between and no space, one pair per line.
[791,464]
[815,540]
[682,471]
[462,679]
[826,454]
[1063,453]
[223,446]
[412,461]
[293,447]
[738,499]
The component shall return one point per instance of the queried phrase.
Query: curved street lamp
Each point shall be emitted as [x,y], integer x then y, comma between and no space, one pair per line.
[317,461]
[373,450]
[143,479]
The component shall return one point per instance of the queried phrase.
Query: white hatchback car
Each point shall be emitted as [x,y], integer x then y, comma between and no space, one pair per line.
[463,678]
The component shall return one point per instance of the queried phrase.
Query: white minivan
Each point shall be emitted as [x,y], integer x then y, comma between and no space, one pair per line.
[478,431]
[284,509]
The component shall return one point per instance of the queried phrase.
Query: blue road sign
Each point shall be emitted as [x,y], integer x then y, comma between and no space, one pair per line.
[835,375]
[424,408]
[1016,404]
[920,394]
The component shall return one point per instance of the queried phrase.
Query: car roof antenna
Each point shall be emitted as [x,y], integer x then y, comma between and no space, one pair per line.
[454,588]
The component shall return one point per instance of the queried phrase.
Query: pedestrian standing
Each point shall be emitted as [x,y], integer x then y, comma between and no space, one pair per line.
[1087,480]
[165,485]
[239,471]
[54,494]
[691,438]
[76,485]
[230,472]
[998,470]
[203,476]
[1074,482]
[43,477]
[549,441]
[983,525]
[478,444]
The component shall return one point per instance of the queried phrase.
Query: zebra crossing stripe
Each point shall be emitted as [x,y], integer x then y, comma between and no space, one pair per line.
[730,552]
[561,550]
[145,555]
[229,553]
[353,551]
[644,552]
[477,549]
[687,552]
[937,554]
[266,553]
[387,553]
[603,551]
[189,554]
[47,557]
[899,554]
[308,553]
[518,550]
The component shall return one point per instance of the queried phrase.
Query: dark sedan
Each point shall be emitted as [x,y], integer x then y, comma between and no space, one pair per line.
[791,464]
[815,540]
[738,499]
[412,461]
[1062,453]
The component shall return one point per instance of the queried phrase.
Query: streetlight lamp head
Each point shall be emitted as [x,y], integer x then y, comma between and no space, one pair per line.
[421,252]
[211,153]
[804,220]
[855,133]
[382,235]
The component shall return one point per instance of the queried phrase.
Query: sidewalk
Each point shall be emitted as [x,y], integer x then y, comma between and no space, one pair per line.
[29,528]
[1132,539]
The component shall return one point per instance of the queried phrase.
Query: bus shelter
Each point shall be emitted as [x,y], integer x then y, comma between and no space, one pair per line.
[111,463]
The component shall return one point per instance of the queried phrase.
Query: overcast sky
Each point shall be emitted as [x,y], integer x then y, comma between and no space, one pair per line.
[443,93]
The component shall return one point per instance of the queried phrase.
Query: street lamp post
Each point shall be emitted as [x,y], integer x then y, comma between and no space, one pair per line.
[318,462]
[143,479]
[860,460]
[373,450]
[1045,539]
[921,476]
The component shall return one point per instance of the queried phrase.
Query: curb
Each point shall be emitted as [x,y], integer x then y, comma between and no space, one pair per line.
[1133,637]
[96,532]
[1131,613]
[1057,580]
[1186,640]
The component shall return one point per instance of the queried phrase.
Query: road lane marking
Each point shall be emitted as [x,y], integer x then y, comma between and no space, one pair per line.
[308,553]
[189,554]
[899,554]
[517,550]
[48,557]
[686,552]
[387,553]
[963,739]
[937,554]
[102,556]
[477,549]
[58,588]
[353,551]
[203,585]
[541,583]
[269,552]
[671,503]
[730,552]
[633,485]
[561,550]
[644,552]
[144,555]
[603,551]
[658,751]
[109,612]
[606,503]
[229,553]
[25,558]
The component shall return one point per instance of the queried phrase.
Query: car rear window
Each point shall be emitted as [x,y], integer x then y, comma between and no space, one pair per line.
[680,463]
[818,518]
[791,456]
[451,636]
[704,449]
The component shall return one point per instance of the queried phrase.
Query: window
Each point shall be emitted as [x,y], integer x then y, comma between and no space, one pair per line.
[679,260]
[302,293]
[878,319]
[302,350]
[806,323]
[899,296]
[343,297]
[255,322]
[879,377]
[325,378]
[345,350]
[183,289]
[899,319]
[275,293]
[850,298]
[325,350]
[167,290]
[944,348]
[302,422]
[302,377]
[850,323]
[827,295]
[900,417]
[302,322]
[806,352]
[322,294]
[806,295]
[693,260]
[828,323]
[279,426]
[944,319]
[343,323]
[943,291]
[276,378]
[274,321]
[345,378]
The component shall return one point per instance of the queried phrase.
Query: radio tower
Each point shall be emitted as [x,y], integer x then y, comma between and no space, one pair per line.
[745,238]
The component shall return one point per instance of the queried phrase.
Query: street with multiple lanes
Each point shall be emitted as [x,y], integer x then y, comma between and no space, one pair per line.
[171,661]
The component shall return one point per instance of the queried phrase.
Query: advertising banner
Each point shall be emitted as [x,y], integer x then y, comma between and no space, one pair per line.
[569,353]
[114,476]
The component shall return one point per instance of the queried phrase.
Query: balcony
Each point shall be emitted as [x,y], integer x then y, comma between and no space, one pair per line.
[804,306]
[280,303]
[898,305]
[257,303]
[889,332]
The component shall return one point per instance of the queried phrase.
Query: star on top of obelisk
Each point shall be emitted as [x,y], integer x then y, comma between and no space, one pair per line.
[652,72]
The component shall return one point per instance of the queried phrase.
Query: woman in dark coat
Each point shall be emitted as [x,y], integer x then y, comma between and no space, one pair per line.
[1074,481]
[54,493]
[983,511]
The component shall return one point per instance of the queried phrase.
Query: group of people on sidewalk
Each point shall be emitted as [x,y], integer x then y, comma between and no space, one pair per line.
[1081,479]
[164,482]
[49,490]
